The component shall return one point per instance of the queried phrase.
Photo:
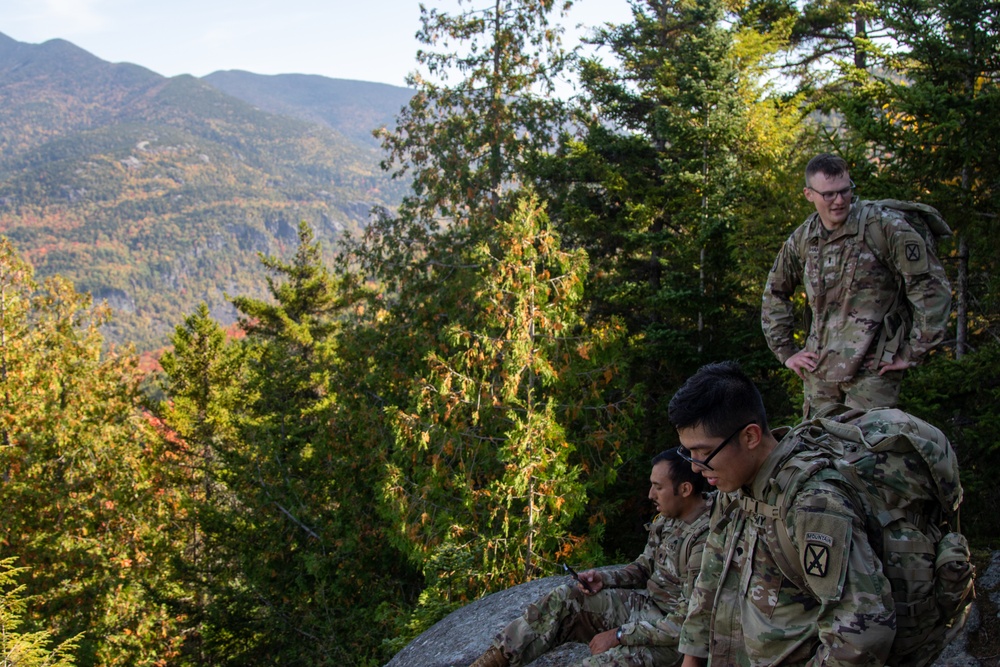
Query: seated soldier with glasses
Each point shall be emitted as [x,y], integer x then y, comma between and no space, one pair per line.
[743,611]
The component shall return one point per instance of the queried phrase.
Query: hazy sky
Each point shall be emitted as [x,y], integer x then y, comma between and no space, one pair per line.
[368,40]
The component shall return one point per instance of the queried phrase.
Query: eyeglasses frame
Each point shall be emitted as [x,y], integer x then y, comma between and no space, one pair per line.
[830,196]
[685,453]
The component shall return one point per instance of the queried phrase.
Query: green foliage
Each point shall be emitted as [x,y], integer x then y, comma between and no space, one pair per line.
[85,503]
[25,649]
[283,563]
[960,398]
[484,463]
[670,190]
[466,142]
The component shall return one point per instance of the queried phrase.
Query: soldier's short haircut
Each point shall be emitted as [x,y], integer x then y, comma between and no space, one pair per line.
[827,163]
[719,398]
[680,471]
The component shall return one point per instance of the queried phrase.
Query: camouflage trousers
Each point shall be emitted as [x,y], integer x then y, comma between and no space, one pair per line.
[566,614]
[866,390]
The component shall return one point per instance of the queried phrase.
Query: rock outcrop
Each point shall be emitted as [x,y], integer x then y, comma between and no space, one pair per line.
[460,637]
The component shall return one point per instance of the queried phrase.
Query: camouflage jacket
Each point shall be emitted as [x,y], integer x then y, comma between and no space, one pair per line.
[667,569]
[851,290]
[744,612]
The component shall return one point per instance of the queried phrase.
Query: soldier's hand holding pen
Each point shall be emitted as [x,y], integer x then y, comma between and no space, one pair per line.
[590,582]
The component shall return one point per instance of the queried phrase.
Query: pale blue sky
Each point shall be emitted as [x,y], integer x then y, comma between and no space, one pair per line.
[368,40]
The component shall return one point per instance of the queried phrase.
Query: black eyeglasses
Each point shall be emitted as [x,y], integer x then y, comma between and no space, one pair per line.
[685,453]
[828,197]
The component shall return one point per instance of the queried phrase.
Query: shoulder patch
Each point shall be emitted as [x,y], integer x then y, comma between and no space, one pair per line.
[824,546]
[910,253]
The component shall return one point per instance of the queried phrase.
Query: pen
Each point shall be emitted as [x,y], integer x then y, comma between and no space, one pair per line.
[573,574]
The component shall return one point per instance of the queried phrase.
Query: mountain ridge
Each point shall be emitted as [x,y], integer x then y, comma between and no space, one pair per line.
[156,193]
[343,104]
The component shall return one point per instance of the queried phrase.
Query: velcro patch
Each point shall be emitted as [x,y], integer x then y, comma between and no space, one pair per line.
[911,257]
[824,545]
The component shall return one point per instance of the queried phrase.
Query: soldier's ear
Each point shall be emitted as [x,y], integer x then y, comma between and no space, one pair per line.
[752,435]
[685,489]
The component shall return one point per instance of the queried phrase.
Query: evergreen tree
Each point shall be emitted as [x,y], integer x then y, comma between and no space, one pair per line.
[665,186]
[86,506]
[25,649]
[922,126]
[204,381]
[493,459]
[480,115]
[291,570]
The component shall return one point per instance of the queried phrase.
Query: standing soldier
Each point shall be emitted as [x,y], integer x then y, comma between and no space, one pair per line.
[630,616]
[878,297]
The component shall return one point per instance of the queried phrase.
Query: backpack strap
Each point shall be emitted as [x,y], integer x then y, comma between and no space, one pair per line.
[786,555]
[687,546]
[896,323]
[867,210]
[788,480]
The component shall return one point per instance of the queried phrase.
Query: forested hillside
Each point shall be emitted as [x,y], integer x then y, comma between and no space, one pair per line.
[466,394]
[156,193]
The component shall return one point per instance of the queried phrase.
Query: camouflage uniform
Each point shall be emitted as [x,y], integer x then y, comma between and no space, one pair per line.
[647,599]
[744,612]
[851,289]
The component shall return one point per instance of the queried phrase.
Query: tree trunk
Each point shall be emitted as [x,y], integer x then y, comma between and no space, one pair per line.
[962,309]
[860,30]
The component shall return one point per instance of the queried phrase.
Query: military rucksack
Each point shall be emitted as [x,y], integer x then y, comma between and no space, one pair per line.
[904,473]
[926,221]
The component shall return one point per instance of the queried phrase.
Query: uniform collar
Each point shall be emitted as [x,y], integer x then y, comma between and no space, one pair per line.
[772,464]
[849,228]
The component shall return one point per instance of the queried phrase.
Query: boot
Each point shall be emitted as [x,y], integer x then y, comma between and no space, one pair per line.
[493,657]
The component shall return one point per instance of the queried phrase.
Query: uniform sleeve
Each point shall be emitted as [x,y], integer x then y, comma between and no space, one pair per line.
[777,317]
[696,630]
[856,622]
[666,631]
[927,287]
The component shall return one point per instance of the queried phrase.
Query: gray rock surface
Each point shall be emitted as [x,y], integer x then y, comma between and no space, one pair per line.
[460,637]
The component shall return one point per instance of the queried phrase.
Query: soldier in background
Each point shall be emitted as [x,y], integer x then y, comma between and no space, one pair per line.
[631,616]
[862,291]
[743,611]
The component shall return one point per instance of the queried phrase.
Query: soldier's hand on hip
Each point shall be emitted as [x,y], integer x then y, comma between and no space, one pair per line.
[898,364]
[802,361]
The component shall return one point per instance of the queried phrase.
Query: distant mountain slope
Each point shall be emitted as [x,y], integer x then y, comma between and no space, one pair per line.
[354,108]
[157,193]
